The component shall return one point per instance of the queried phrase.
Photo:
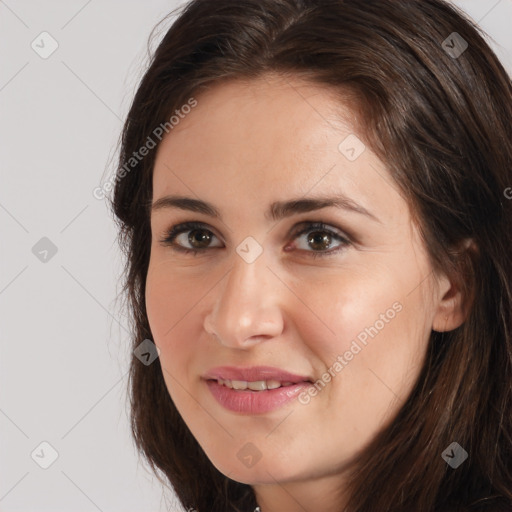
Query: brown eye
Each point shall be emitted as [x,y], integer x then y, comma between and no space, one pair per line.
[194,237]
[320,239]
[199,237]
[189,237]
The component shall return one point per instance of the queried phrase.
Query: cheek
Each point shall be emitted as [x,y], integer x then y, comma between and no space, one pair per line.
[368,332]
[170,303]
[354,305]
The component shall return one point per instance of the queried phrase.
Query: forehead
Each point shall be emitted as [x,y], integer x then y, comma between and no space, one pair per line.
[268,137]
[267,117]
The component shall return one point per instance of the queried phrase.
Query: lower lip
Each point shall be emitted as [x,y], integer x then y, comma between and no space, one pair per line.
[255,402]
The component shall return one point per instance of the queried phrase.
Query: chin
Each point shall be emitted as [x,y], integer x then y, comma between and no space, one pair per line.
[264,471]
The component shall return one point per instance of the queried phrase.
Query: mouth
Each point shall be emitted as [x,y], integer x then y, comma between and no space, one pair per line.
[255,390]
[254,377]
[257,385]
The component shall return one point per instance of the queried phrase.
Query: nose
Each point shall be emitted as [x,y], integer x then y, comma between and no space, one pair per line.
[246,308]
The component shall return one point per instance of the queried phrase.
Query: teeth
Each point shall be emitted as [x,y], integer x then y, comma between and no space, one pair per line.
[273,384]
[239,384]
[259,385]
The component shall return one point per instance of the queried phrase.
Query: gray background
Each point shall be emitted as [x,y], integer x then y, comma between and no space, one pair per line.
[64,341]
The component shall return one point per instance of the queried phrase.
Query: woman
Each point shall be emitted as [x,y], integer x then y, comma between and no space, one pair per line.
[312,198]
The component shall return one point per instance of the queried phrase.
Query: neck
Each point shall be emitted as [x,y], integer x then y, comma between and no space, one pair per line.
[301,496]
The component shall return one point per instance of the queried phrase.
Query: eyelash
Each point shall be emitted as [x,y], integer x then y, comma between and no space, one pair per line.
[176,230]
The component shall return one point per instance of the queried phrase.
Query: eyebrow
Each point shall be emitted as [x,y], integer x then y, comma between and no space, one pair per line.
[277,211]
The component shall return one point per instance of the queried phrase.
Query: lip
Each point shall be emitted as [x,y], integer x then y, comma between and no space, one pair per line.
[254,402]
[254,373]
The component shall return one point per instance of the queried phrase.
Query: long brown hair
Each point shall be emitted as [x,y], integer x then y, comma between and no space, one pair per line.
[439,114]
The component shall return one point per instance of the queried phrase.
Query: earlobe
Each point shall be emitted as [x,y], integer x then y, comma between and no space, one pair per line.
[455,301]
[450,313]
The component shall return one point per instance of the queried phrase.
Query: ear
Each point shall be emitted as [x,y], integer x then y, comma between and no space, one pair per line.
[453,301]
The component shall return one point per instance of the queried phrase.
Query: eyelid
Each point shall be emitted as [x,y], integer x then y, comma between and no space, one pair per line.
[302,226]
[182,227]
[297,230]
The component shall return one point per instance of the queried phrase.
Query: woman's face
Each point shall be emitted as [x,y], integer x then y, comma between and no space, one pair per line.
[348,305]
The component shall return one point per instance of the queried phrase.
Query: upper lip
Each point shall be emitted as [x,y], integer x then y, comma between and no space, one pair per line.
[254,373]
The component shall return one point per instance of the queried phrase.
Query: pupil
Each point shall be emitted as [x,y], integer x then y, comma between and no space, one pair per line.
[317,239]
[201,238]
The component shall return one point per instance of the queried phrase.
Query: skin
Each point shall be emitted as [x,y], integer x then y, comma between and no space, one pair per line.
[244,146]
